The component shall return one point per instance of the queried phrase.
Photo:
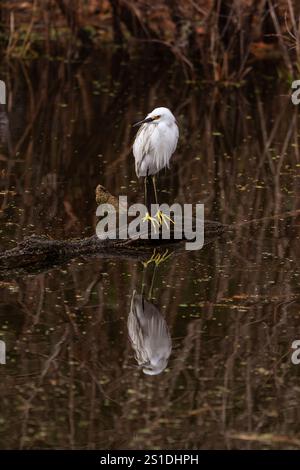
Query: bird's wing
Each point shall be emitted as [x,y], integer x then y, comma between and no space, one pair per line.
[149,334]
[135,330]
[143,144]
[175,139]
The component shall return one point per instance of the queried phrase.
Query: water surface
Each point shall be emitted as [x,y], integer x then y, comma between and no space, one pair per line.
[71,378]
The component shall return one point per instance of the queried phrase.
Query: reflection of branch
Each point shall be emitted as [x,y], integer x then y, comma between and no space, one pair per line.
[281,216]
[44,371]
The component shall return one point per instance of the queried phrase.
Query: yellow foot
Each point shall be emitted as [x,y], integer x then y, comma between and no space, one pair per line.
[157,258]
[151,219]
[150,260]
[162,258]
[162,218]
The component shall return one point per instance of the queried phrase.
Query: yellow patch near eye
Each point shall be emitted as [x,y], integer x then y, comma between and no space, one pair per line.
[156,117]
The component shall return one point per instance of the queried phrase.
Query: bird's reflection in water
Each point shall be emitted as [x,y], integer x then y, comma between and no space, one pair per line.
[149,334]
[147,328]
[4,127]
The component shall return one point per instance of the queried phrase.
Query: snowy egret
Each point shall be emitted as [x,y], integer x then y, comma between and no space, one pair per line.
[103,196]
[153,147]
[149,335]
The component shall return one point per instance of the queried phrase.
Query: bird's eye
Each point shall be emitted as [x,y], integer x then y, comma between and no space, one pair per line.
[156,117]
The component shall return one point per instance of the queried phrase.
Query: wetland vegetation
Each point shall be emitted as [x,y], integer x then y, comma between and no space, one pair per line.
[77,75]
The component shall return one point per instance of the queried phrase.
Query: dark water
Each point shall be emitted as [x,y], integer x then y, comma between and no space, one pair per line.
[71,378]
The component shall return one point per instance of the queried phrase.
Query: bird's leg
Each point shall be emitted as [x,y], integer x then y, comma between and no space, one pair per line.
[148,204]
[152,284]
[155,191]
[162,218]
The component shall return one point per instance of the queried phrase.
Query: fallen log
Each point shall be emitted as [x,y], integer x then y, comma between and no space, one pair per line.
[38,253]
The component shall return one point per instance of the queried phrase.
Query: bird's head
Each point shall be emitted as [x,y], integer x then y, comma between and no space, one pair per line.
[155,369]
[158,115]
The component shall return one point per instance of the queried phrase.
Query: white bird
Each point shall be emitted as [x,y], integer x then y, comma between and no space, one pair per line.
[153,147]
[149,335]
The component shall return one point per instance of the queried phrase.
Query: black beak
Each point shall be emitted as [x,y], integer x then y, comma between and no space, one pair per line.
[143,122]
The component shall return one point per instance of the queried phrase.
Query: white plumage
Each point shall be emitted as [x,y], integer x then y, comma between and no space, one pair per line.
[149,335]
[155,142]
